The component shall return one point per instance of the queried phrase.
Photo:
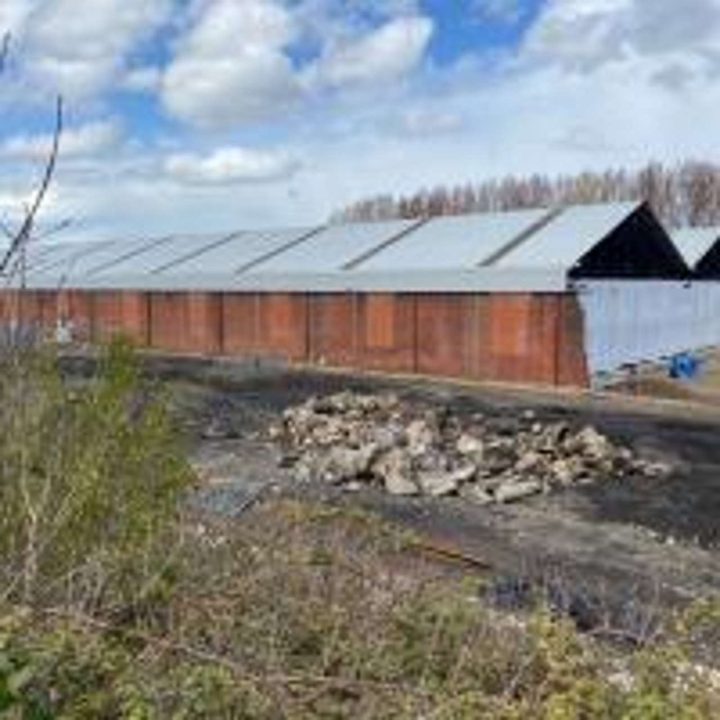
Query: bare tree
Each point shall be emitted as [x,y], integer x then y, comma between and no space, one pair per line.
[4,51]
[13,262]
[22,237]
[685,194]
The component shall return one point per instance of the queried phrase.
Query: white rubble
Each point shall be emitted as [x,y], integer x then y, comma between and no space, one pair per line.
[409,449]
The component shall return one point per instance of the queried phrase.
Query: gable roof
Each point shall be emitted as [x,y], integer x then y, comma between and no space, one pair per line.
[525,250]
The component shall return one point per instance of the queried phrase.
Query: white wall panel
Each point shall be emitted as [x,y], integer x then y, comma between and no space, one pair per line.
[636,321]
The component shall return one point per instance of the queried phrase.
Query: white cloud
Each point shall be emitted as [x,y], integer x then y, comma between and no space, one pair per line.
[14,14]
[78,47]
[428,121]
[231,68]
[84,141]
[383,55]
[142,79]
[230,165]
[327,22]
[594,83]
[582,35]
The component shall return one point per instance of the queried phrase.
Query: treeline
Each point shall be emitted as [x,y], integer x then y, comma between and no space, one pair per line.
[683,194]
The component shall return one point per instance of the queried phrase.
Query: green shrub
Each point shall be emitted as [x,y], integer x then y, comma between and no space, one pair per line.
[114,605]
[90,478]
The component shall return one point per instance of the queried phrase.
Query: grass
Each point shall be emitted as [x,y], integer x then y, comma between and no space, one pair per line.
[307,612]
[296,611]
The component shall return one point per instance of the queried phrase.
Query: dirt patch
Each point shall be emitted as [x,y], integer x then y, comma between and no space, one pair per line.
[655,539]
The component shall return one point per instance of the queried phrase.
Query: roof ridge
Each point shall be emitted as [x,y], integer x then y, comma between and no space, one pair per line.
[524,236]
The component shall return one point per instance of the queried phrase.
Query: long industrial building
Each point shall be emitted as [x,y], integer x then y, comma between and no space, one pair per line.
[555,296]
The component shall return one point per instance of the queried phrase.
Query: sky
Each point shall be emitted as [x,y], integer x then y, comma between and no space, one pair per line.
[212,115]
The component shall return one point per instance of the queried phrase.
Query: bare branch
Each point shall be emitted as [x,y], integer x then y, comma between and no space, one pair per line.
[4,51]
[24,234]
[61,226]
[54,229]
[6,230]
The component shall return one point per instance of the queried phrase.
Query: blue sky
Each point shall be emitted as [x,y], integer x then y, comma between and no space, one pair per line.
[191,115]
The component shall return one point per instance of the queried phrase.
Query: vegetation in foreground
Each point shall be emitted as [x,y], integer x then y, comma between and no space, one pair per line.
[115,604]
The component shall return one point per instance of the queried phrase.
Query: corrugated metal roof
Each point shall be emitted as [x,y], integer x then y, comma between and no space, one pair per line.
[114,253]
[237,252]
[565,240]
[464,241]
[521,250]
[62,257]
[695,243]
[38,255]
[334,247]
[36,252]
[160,254]
[68,262]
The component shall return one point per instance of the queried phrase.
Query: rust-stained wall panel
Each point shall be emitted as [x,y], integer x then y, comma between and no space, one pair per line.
[572,361]
[272,324]
[185,322]
[77,306]
[282,325]
[385,327]
[136,317]
[522,338]
[445,335]
[167,321]
[240,323]
[332,329]
[204,332]
[120,313]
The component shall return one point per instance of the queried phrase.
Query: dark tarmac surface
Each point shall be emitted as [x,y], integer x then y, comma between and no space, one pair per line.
[645,540]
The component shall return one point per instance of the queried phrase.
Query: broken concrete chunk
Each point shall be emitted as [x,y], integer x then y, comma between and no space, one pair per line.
[395,472]
[530,461]
[438,484]
[415,448]
[470,446]
[344,464]
[420,437]
[592,444]
[515,490]
[477,494]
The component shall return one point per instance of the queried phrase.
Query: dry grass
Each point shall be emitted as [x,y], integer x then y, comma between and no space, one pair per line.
[295,611]
[302,611]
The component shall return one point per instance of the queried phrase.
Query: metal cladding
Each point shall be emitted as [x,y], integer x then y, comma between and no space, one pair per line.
[518,251]
[570,236]
[700,248]
[622,240]
[519,338]
[538,296]
[465,241]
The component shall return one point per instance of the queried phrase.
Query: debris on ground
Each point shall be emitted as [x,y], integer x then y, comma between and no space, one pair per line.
[348,439]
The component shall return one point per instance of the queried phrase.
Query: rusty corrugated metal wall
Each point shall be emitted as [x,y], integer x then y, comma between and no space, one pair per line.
[521,337]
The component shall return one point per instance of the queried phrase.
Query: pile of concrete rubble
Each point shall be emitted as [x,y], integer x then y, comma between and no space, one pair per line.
[352,439]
